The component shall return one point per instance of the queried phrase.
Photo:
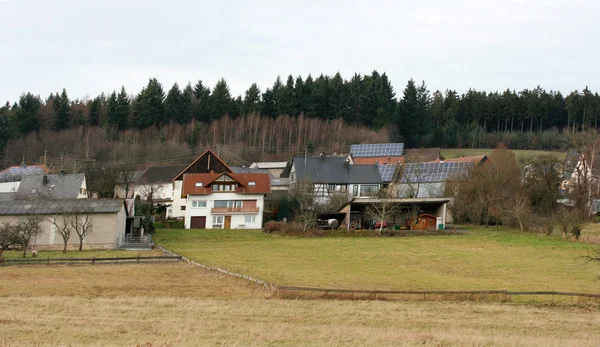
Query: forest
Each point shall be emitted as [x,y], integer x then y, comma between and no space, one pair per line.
[364,108]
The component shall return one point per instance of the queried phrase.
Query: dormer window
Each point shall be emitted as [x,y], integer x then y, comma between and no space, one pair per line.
[199,184]
[251,184]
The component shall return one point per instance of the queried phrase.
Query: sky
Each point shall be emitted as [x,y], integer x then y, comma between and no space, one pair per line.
[95,46]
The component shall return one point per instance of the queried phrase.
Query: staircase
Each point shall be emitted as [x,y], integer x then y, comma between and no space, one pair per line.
[135,243]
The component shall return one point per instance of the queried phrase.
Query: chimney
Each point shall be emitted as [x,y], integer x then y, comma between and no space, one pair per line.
[347,163]
[45,180]
[62,172]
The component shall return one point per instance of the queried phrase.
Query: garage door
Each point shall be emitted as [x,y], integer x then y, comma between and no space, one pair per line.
[198,223]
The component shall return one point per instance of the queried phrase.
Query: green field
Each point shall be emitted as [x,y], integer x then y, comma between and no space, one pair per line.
[449,153]
[483,259]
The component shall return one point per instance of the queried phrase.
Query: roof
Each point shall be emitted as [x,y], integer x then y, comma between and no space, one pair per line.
[50,207]
[159,174]
[269,165]
[16,173]
[132,175]
[7,196]
[420,155]
[571,161]
[280,181]
[474,159]
[376,150]
[245,169]
[334,170]
[387,172]
[434,172]
[58,186]
[378,160]
[253,183]
[197,165]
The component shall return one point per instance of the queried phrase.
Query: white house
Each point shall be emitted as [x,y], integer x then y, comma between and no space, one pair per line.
[225,200]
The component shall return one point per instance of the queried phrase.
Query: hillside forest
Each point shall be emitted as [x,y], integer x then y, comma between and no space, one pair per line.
[290,117]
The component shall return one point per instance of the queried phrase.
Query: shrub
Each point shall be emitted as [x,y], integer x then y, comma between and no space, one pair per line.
[284,228]
[170,224]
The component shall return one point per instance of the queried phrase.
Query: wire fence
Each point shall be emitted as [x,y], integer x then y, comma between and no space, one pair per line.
[90,261]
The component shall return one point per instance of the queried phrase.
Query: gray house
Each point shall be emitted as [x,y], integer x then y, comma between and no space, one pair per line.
[54,186]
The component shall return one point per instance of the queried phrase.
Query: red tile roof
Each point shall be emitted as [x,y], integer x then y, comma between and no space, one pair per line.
[380,160]
[477,159]
[262,183]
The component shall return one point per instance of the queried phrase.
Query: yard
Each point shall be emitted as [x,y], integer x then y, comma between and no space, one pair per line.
[483,259]
[82,254]
[450,153]
[180,305]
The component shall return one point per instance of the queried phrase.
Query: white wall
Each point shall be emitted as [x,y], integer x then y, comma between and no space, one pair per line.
[237,219]
[9,187]
[178,202]
[163,191]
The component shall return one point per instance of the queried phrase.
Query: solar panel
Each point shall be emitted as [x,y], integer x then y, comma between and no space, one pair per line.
[387,172]
[377,150]
[434,172]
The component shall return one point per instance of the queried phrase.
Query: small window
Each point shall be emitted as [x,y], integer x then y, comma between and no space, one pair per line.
[250,219]
[199,184]
[198,204]
[251,184]
[33,191]
[183,208]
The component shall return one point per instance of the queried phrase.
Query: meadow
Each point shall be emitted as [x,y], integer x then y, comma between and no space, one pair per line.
[522,155]
[482,259]
[180,305]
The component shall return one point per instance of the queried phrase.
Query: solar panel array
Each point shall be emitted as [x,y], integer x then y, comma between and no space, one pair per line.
[387,172]
[15,173]
[435,172]
[377,150]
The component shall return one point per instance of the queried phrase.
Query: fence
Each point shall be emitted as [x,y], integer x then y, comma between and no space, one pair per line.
[459,295]
[92,261]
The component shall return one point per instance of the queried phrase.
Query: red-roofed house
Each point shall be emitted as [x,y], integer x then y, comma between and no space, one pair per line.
[225,200]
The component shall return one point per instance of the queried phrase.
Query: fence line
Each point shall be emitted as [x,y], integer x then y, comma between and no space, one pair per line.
[264,284]
[93,260]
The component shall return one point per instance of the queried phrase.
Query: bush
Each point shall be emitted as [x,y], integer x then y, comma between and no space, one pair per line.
[170,224]
[283,228]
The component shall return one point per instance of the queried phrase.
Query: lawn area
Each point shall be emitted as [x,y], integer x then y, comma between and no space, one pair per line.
[83,254]
[449,153]
[484,259]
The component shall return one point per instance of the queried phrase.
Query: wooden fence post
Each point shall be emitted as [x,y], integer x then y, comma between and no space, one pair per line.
[93,259]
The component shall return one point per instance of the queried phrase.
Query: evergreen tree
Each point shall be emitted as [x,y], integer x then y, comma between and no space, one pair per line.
[188,104]
[408,121]
[112,110]
[202,100]
[175,106]
[221,101]
[123,109]
[62,109]
[149,108]
[94,108]
[27,113]
[251,102]
[5,128]
[268,104]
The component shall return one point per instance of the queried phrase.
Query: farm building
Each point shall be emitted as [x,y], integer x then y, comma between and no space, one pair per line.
[106,219]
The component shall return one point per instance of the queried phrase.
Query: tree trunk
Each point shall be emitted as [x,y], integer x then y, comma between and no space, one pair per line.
[80,244]
[25,251]
[65,246]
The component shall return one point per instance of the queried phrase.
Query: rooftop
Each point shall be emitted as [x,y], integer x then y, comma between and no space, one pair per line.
[56,186]
[248,183]
[334,170]
[49,207]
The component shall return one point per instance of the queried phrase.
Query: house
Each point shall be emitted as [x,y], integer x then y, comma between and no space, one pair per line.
[10,179]
[372,150]
[207,162]
[125,186]
[225,200]
[274,167]
[156,183]
[106,218]
[279,185]
[428,180]
[335,175]
[53,186]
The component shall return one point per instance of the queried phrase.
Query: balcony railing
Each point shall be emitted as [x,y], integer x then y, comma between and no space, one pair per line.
[222,210]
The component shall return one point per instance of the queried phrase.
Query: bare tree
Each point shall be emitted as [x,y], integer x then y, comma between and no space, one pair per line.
[63,225]
[586,171]
[305,209]
[148,192]
[518,209]
[8,237]
[28,229]
[384,208]
[81,223]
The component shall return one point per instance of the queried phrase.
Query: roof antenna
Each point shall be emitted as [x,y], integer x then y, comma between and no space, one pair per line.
[23,162]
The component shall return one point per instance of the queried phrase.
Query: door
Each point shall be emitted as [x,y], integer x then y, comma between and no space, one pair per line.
[198,223]
[227,222]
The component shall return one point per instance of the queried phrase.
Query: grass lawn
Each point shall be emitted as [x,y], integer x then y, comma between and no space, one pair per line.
[484,259]
[83,254]
[449,153]
[153,305]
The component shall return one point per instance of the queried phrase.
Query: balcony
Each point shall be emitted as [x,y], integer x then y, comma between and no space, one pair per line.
[227,210]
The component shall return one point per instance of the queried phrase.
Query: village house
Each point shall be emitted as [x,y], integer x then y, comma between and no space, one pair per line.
[53,186]
[156,184]
[10,178]
[104,218]
[225,200]
[274,167]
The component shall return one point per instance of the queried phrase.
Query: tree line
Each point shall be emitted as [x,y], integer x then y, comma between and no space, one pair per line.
[418,116]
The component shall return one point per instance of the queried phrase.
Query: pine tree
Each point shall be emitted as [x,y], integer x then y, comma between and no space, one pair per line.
[62,109]
[408,108]
[187,100]
[94,108]
[251,103]
[267,105]
[175,106]
[123,109]
[221,101]
[5,128]
[27,113]
[149,108]
[202,100]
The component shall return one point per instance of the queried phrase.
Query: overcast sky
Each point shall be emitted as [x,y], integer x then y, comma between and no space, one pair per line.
[94,46]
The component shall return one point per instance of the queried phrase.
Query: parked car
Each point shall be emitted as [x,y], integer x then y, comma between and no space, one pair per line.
[376,224]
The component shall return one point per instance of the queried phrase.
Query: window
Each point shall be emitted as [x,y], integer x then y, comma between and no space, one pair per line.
[224,187]
[199,184]
[183,208]
[228,203]
[250,219]
[369,189]
[198,203]
[33,191]
[355,190]
[218,222]
[251,184]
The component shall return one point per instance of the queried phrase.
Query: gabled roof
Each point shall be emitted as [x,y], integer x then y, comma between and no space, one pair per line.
[269,165]
[474,159]
[378,160]
[132,175]
[245,169]
[52,207]
[377,150]
[197,166]
[58,186]
[254,183]
[159,174]
[434,172]
[334,170]
[16,173]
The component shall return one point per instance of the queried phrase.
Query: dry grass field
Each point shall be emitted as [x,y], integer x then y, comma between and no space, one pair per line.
[179,305]
[83,254]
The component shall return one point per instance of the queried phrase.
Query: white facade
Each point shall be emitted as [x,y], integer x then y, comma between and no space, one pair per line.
[178,207]
[83,190]
[242,212]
